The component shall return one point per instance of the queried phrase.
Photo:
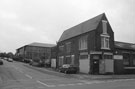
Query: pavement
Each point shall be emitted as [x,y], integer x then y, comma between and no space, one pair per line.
[82,76]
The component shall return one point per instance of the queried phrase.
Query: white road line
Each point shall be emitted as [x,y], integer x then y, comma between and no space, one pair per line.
[120,80]
[79,83]
[20,71]
[45,84]
[62,85]
[71,84]
[28,76]
[84,82]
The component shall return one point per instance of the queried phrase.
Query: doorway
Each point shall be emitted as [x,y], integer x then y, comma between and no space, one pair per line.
[95,66]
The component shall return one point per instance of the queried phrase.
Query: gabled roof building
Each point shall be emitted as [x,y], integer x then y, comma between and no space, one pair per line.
[89,45]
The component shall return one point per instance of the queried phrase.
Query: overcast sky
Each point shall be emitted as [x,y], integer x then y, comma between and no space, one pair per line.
[26,21]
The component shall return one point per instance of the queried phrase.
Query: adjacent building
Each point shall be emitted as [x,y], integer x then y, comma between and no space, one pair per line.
[125,61]
[40,51]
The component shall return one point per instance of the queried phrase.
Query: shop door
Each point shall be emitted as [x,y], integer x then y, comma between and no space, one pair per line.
[95,66]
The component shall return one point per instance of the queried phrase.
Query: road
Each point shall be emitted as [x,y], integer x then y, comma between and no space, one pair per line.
[16,75]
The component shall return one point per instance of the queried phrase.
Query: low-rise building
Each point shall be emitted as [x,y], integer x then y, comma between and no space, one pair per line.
[35,50]
[126,61]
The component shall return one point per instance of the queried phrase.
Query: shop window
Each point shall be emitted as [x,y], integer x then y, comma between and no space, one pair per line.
[83,43]
[107,56]
[126,58]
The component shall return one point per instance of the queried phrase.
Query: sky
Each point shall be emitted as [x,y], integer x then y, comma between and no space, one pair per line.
[25,21]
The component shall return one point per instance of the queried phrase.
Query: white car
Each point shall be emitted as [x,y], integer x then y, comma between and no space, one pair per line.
[10,60]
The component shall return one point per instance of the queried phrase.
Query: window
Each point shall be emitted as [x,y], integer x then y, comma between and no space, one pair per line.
[72,59]
[67,59]
[126,58]
[107,56]
[61,48]
[68,47]
[104,24]
[104,36]
[133,59]
[83,57]
[105,42]
[61,58]
[83,43]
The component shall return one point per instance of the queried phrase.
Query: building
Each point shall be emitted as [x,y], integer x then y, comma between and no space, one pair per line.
[125,62]
[89,46]
[34,51]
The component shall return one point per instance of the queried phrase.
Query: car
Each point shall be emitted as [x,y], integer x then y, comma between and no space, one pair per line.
[10,60]
[35,63]
[1,62]
[67,68]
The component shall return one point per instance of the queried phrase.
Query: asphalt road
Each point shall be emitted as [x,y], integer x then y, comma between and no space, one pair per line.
[16,75]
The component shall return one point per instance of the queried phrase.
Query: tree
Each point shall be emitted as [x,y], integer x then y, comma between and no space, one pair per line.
[10,55]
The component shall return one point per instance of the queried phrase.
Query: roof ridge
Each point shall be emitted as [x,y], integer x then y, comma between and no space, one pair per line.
[89,25]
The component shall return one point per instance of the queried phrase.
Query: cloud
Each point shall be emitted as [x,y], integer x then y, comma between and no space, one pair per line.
[8,15]
[26,21]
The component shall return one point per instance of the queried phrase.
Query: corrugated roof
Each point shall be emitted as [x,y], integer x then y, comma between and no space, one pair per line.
[41,44]
[124,45]
[81,28]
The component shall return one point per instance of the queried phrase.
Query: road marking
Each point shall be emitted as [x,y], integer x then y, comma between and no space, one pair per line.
[61,85]
[79,83]
[120,80]
[71,84]
[28,76]
[84,83]
[45,84]
[20,71]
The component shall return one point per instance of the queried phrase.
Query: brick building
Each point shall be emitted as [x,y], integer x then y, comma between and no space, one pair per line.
[127,62]
[35,50]
[89,45]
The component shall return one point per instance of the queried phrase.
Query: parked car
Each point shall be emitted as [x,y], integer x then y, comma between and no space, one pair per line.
[27,60]
[67,68]
[1,62]
[10,60]
[36,63]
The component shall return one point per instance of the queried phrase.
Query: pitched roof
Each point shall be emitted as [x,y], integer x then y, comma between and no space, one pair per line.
[81,28]
[41,44]
[124,45]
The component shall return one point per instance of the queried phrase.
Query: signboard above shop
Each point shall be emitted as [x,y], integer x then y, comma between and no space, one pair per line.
[118,57]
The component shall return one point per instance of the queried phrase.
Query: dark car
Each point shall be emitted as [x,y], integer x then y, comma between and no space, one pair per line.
[1,62]
[36,63]
[67,68]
